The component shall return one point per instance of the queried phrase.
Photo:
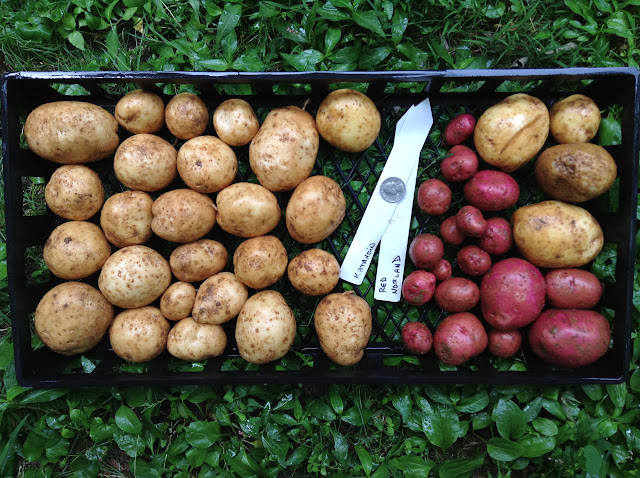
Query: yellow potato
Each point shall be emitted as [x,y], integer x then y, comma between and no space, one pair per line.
[574,119]
[126,218]
[183,215]
[189,340]
[266,328]
[145,162]
[176,303]
[140,111]
[556,234]
[235,122]
[196,261]
[206,164]
[70,132]
[74,192]
[139,335]
[186,116]
[314,272]
[247,210]
[219,299]
[260,261]
[72,318]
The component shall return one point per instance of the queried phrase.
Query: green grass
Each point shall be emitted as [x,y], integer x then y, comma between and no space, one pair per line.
[338,430]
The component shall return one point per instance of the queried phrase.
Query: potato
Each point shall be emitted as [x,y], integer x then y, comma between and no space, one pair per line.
[266,328]
[316,209]
[190,340]
[418,287]
[247,210]
[459,338]
[574,119]
[461,164]
[450,233]
[235,122]
[196,261]
[183,215]
[434,197]
[473,261]
[442,270]
[140,111]
[284,150]
[497,238]
[71,132]
[343,324]
[75,250]
[206,164]
[126,218]
[470,221]
[426,250]
[72,318]
[139,335]
[186,116]
[459,129]
[491,190]
[511,132]
[457,294]
[260,261]
[314,272]
[575,172]
[348,120]
[416,338]
[219,299]
[572,289]
[145,162]
[504,344]
[176,303]
[134,276]
[556,234]
[74,192]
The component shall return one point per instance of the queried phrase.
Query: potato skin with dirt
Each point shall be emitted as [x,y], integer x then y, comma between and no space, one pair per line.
[426,250]
[176,303]
[247,210]
[260,261]
[220,298]
[235,122]
[574,119]
[497,238]
[72,318]
[572,289]
[473,261]
[183,215]
[461,164]
[490,190]
[126,218]
[74,192]
[457,294]
[186,116]
[206,164]
[198,260]
[418,287]
[192,341]
[459,129]
[434,197]
[416,338]
[459,338]
[314,272]
[470,221]
[145,162]
[140,111]
[139,335]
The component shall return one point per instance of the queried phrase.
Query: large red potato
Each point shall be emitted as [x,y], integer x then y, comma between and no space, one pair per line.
[491,190]
[459,338]
[572,289]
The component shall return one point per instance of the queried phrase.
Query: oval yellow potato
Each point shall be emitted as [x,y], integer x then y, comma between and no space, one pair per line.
[198,260]
[139,335]
[183,215]
[145,162]
[235,122]
[247,210]
[74,192]
[260,261]
[140,111]
[190,340]
[186,116]
[126,218]
[206,164]
[556,234]
[219,299]
[314,272]
[574,119]
[176,303]
[70,132]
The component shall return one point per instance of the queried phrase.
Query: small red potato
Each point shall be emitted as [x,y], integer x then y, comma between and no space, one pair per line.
[459,338]
[459,129]
[497,238]
[442,270]
[470,221]
[418,287]
[473,261]
[457,294]
[461,164]
[426,250]
[504,343]
[491,190]
[450,233]
[434,197]
[572,289]
[416,338]
[570,337]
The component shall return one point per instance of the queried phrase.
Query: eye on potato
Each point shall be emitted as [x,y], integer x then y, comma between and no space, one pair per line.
[196,261]
[235,122]
[145,162]
[206,164]
[186,116]
[176,303]
[314,272]
[260,261]
[183,215]
[140,111]
[247,210]
[139,335]
[190,340]
[219,299]
[126,218]
[74,192]
[574,119]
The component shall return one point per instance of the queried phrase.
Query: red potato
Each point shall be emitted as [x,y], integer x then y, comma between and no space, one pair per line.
[504,343]
[572,289]
[426,250]
[416,338]
[450,233]
[473,261]
[459,338]
[442,270]
[434,197]
[459,129]
[512,294]
[457,294]
[570,337]
[490,190]
[470,221]
[418,287]
[497,238]
[461,164]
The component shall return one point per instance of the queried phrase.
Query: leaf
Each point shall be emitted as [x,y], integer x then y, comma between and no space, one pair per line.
[203,434]
[617,394]
[127,420]
[411,466]
[322,411]
[634,381]
[331,39]
[41,396]
[228,21]
[196,456]
[460,467]
[403,404]
[442,427]
[545,426]
[336,401]
[357,416]
[34,446]
[369,20]
[399,24]
[494,11]
[306,60]
[76,39]
[298,456]
[593,460]
[536,446]
[214,64]
[510,420]
[501,449]
[374,57]
[474,404]
[100,431]
[609,132]
[365,459]
[132,445]
[36,29]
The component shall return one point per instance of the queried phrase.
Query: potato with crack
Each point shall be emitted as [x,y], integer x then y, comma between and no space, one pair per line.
[139,335]
[74,192]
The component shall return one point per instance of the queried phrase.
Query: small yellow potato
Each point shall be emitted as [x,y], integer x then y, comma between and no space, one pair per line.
[266,328]
[190,340]
[74,192]
[145,162]
[139,335]
[183,215]
[316,208]
[348,120]
[575,172]
[198,260]
[574,119]
[126,218]
[72,318]
[186,116]
[176,303]
[134,276]
[314,272]
[247,210]
[71,132]
[343,324]
[140,111]
[284,150]
[219,299]
[556,234]
[75,250]
[260,261]
[206,164]
[511,132]
[235,122]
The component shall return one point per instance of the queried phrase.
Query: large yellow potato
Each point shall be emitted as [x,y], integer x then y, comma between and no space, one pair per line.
[186,116]
[574,119]
[139,335]
[72,318]
[196,261]
[183,215]
[190,340]
[145,162]
[176,303]
[140,111]
[556,234]
[266,328]
[284,151]
[219,299]
[74,192]
[247,210]
[314,272]
[206,164]
[235,122]
[70,132]
[126,218]
[260,261]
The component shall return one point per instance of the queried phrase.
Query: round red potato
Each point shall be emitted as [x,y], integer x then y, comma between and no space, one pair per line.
[426,250]
[457,294]
[572,289]
[504,343]
[442,270]
[491,190]
[450,233]
[434,197]
[473,261]
[497,238]
[461,164]
[418,287]
[459,129]
[470,221]
[459,338]
[416,338]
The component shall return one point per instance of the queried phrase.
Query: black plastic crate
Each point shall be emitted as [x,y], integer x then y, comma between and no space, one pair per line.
[616,90]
